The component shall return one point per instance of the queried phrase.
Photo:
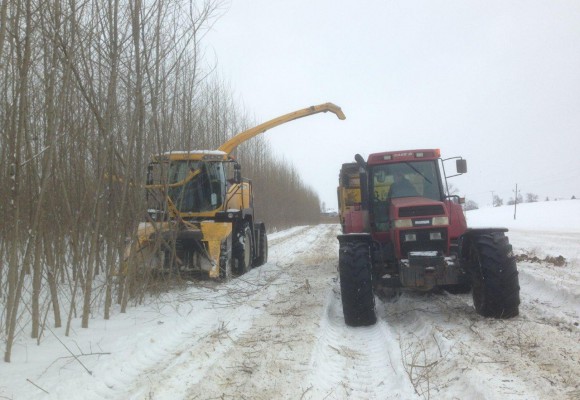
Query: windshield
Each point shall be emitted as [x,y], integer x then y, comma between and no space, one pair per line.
[407,179]
[204,192]
[417,178]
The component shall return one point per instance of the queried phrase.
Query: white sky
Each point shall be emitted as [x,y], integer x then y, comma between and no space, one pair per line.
[497,82]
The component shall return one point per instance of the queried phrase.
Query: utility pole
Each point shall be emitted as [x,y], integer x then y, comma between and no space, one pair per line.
[492,198]
[516,201]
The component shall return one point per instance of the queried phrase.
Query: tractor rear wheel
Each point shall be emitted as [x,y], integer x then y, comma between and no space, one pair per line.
[494,276]
[358,301]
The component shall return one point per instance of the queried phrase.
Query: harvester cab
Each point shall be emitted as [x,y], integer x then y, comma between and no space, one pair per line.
[192,185]
[200,211]
[402,229]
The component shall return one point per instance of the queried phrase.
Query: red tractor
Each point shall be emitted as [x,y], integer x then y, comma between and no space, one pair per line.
[401,229]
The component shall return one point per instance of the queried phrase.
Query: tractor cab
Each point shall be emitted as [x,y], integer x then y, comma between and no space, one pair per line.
[397,185]
[409,207]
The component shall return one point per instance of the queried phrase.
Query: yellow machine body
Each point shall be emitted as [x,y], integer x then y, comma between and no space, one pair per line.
[204,221]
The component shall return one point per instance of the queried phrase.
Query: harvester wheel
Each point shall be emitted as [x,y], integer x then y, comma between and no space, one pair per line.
[262,248]
[358,301]
[226,259]
[494,276]
[243,249]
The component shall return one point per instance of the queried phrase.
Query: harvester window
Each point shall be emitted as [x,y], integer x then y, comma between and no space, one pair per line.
[217,179]
[204,192]
[180,170]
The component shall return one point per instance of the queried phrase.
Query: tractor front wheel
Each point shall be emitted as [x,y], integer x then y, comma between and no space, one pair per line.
[494,276]
[355,268]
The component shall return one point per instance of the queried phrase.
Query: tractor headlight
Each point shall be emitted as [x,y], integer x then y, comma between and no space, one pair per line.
[435,236]
[437,221]
[403,223]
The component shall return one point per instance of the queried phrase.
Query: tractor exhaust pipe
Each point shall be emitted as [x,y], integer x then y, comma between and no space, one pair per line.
[364,198]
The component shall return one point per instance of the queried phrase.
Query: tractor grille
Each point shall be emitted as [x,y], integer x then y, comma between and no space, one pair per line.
[420,211]
[423,241]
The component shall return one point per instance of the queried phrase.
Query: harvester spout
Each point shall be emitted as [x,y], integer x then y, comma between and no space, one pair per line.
[234,142]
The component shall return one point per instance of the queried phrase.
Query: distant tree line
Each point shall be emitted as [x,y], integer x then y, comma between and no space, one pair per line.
[530,198]
[88,91]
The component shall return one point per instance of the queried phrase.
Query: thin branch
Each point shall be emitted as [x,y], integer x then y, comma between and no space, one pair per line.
[71,353]
[28,380]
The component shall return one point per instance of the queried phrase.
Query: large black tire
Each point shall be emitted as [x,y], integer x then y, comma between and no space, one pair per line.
[243,249]
[262,257]
[356,286]
[494,276]
[226,259]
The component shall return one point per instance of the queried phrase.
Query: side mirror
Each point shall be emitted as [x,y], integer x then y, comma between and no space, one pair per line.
[461,165]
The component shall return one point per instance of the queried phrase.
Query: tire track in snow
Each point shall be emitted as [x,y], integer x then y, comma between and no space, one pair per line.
[206,360]
[206,335]
[355,363]
[432,343]
[271,358]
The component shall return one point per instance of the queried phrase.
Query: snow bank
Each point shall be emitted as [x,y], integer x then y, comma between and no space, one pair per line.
[562,215]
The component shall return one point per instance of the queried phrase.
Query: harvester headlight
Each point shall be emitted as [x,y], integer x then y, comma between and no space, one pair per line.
[403,223]
[410,237]
[440,221]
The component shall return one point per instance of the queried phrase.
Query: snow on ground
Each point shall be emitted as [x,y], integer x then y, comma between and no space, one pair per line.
[278,333]
[547,216]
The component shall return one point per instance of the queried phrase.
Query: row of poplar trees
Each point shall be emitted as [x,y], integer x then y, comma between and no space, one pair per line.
[88,91]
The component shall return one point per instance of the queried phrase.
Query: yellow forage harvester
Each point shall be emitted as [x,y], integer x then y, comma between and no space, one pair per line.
[201,211]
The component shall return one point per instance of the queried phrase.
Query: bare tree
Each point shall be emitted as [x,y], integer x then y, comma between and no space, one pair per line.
[470,205]
[23,43]
[531,198]
[89,90]
[512,201]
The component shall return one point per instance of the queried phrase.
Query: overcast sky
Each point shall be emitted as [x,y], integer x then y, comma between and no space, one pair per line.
[497,82]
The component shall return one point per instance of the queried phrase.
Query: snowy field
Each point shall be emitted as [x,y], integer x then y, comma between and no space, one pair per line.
[278,332]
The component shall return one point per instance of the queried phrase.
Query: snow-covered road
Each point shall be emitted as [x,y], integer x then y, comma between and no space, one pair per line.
[278,333]
[283,336]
